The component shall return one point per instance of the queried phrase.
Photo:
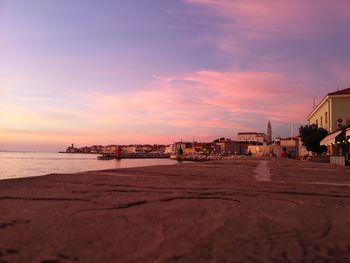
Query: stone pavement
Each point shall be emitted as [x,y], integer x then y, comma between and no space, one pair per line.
[249,210]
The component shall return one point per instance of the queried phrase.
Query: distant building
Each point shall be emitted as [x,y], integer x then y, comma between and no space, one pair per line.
[169,148]
[292,142]
[178,145]
[333,112]
[159,148]
[197,148]
[145,148]
[207,148]
[186,147]
[292,146]
[269,134]
[227,146]
[72,149]
[265,150]
[277,141]
[109,148]
[96,148]
[85,149]
[252,137]
[129,148]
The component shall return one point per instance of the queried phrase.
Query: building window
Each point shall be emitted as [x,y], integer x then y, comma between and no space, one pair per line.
[326,117]
[321,121]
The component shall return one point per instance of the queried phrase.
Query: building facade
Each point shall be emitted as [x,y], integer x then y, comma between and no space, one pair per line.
[252,137]
[228,146]
[333,112]
[292,142]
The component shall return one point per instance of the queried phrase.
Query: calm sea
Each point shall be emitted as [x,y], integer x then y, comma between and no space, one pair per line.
[25,164]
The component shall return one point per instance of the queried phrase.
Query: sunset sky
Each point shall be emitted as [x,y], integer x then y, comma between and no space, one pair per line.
[158,71]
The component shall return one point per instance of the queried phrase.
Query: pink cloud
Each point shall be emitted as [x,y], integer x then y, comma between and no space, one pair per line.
[198,99]
[243,22]
[199,105]
[278,16]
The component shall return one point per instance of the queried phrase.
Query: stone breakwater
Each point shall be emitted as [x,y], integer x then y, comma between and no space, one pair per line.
[216,211]
[212,157]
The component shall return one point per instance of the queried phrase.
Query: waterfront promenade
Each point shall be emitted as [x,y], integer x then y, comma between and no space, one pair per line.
[245,210]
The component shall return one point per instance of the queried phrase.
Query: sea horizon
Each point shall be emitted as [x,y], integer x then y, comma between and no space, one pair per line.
[31,164]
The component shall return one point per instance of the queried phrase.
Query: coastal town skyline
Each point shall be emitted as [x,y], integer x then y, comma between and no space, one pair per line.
[131,72]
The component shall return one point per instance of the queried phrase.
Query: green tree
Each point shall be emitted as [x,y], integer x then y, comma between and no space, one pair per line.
[311,136]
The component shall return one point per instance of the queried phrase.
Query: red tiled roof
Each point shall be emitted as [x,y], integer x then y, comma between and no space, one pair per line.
[340,92]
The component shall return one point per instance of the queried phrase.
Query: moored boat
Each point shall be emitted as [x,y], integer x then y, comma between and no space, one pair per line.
[105,157]
[110,155]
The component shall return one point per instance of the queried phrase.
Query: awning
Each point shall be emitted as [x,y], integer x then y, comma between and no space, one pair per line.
[330,138]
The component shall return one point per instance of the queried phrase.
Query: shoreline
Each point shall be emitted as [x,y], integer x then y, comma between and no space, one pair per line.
[39,164]
[90,171]
[213,211]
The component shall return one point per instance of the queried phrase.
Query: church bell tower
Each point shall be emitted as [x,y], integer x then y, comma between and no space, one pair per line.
[269,134]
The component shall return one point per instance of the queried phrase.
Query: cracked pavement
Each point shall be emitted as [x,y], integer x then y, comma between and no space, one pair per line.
[220,211]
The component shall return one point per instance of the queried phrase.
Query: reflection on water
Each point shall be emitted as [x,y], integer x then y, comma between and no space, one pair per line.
[24,164]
